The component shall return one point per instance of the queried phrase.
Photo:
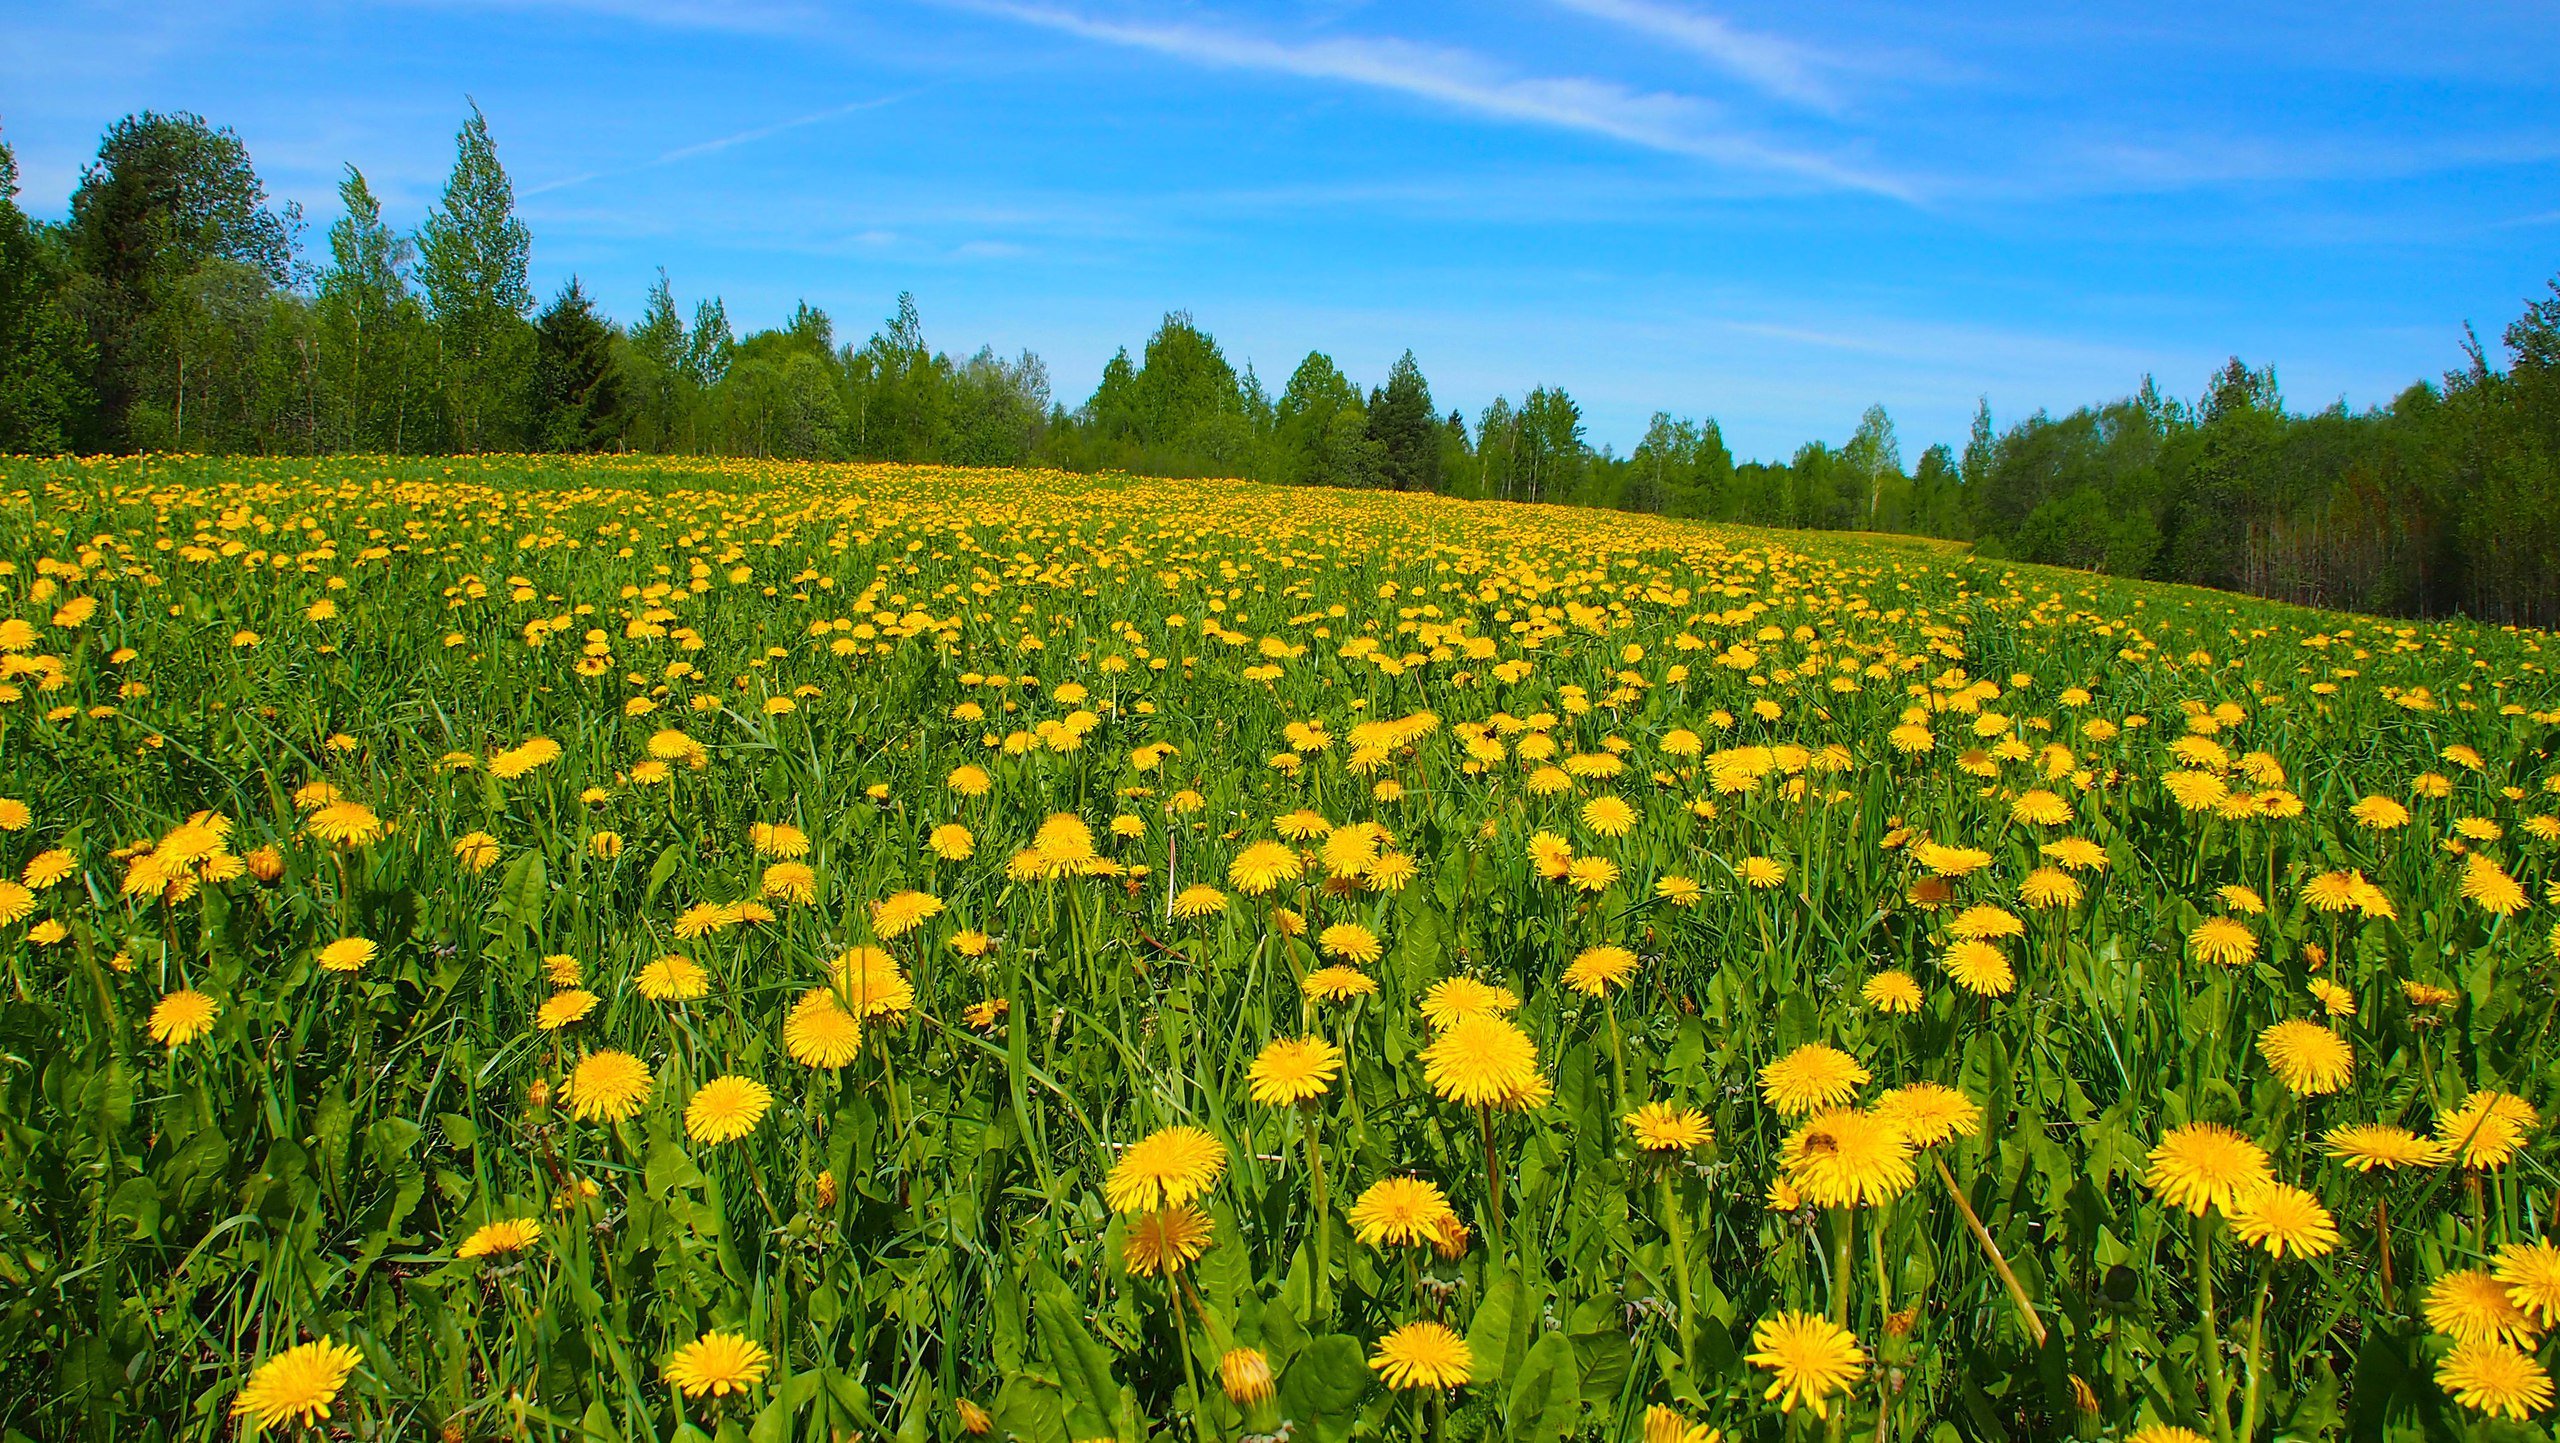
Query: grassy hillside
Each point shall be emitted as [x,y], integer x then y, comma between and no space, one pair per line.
[609,949]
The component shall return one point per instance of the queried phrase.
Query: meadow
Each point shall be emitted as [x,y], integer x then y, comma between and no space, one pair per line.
[605,949]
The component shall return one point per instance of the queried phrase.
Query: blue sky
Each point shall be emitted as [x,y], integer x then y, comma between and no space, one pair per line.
[1775,214]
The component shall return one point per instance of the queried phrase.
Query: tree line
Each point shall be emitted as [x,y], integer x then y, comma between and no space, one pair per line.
[176,308]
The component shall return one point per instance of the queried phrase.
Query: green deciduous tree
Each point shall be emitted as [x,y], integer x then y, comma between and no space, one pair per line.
[1320,432]
[43,350]
[376,380]
[473,254]
[176,250]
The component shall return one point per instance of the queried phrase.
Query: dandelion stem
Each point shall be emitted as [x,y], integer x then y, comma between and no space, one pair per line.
[1844,1232]
[2382,1246]
[1324,1219]
[2217,1381]
[1991,1250]
[2257,1351]
[1492,1173]
[1677,1226]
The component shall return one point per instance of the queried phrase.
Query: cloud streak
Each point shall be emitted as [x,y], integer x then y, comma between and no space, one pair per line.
[1764,62]
[1659,121]
[713,147]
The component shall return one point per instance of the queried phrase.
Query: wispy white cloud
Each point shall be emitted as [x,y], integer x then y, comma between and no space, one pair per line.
[760,17]
[1660,121]
[1765,62]
[711,147]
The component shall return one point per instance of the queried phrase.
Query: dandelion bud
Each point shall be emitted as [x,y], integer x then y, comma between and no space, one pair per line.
[973,1419]
[827,1189]
[1900,1324]
[538,1096]
[2083,1397]
[1666,1425]
[1450,1242]
[1246,1375]
[267,863]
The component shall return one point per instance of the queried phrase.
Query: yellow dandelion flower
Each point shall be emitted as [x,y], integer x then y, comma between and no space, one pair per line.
[726,1109]
[1892,992]
[2222,941]
[1597,971]
[717,1364]
[820,1032]
[495,1239]
[1812,1077]
[2282,1218]
[1423,1355]
[1667,1127]
[2495,1378]
[608,1086]
[673,979]
[181,1017]
[2470,1305]
[1163,1242]
[1481,1060]
[1169,1166]
[1811,1360]
[297,1385]
[2205,1165]
[1399,1212]
[1294,1070]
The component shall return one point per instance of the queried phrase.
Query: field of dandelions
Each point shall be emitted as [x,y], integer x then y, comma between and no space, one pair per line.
[534,949]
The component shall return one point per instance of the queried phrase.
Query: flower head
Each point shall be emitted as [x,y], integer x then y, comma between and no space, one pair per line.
[1811,1359]
[506,1235]
[607,1086]
[717,1364]
[1423,1355]
[673,979]
[2365,1146]
[2470,1305]
[821,1032]
[2282,1218]
[1168,1166]
[563,1008]
[2205,1165]
[296,1385]
[1812,1077]
[2530,1272]
[1846,1157]
[1161,1243]
[1667,1127]
[2223,941]
[1293,1070]
[1930,1112]
[1481,1060]
[1893,993]
[2311,1060]
[2488,1129]
[1457,997]
[726,1109]
[1597,971]
[2496,1378]
[1979,968]
[182,1017]
[1399,1212]
[1338,984]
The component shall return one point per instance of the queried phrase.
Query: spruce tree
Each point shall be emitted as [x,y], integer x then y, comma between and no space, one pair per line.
[579,402]
[1402,427]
